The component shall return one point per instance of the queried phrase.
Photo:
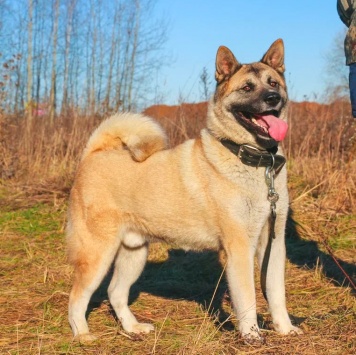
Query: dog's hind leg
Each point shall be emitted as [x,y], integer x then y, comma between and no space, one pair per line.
[129,265]
[271,255]
[91,264]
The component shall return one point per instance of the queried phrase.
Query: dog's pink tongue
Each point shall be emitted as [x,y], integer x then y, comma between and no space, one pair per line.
[277,128]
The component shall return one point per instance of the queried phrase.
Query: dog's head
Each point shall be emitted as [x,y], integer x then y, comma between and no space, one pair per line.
[249,104]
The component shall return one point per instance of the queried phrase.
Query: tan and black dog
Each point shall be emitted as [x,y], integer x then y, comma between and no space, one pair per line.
[207,193]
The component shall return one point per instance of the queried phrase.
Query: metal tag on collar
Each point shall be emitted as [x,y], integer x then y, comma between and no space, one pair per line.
[248,152]
[244,146]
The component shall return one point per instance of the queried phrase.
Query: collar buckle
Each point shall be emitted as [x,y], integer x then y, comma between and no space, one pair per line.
[252,156]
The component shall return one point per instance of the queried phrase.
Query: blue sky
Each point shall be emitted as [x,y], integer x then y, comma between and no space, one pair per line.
[198,27]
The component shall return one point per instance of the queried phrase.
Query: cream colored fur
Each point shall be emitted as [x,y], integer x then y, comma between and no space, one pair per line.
[142,139]
[130,190]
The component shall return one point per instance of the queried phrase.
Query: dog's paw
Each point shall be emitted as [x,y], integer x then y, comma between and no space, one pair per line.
[295,331]
[140,328]
[254,340]
[253,337]
[290,330]
[85,338]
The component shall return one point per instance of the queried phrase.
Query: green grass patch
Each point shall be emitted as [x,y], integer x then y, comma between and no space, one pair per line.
[345,234]
[33,221]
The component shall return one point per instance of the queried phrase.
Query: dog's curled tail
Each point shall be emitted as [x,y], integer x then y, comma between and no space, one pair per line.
[137,133]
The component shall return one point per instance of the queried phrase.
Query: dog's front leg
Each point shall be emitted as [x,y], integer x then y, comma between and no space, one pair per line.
[240,277]
[271,255]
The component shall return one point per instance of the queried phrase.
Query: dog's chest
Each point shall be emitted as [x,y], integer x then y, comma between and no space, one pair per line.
[248,203]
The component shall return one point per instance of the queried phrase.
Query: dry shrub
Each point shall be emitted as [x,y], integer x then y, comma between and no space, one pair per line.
[320,147]
[40,152]
[180,122]
[39,159]
[320,130]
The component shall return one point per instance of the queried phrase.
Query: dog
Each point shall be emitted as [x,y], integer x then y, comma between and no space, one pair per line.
[208,193]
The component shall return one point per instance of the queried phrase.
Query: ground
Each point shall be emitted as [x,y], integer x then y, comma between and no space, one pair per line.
[182,294]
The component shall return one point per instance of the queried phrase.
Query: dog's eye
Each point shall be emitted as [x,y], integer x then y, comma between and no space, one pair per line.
[273,83]
[247,88]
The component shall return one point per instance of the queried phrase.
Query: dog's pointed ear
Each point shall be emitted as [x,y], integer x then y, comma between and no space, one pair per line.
[226,64]
[274,57]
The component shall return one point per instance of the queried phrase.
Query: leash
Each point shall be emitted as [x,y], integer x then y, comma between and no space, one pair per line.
[272,198]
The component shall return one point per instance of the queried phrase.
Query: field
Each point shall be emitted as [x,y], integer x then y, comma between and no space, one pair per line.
[183,294]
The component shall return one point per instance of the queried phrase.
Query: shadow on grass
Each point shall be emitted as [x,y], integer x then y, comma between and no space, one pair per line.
[189,276]
[306,253]
[194,276]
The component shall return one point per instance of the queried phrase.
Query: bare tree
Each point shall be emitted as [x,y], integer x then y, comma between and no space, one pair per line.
[205,84]
[117,18]
[133,54]
[335,68]
[71,4]
[29,60]
[52,98]
[96,56]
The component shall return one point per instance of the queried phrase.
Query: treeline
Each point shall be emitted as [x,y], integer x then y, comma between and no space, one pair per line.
[89,55]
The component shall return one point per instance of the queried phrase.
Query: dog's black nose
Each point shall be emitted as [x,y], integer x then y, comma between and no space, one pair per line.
[272,98]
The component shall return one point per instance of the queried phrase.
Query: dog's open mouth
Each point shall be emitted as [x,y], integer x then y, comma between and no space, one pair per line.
[265,124]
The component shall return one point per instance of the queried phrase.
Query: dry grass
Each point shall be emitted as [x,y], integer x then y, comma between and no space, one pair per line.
[174,293]
[179,292]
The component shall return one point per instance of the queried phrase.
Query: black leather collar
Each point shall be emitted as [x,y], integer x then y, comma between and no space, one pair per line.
[252,156]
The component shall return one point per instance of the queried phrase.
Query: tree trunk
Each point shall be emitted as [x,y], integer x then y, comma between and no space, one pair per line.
[29,62]
[68,34]
[52,99]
